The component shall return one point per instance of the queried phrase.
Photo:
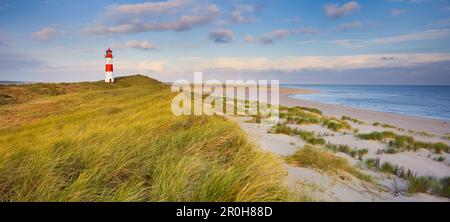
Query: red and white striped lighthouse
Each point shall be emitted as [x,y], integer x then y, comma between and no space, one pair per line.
[109,77]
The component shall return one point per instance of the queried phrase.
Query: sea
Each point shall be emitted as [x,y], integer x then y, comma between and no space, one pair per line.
[422,101]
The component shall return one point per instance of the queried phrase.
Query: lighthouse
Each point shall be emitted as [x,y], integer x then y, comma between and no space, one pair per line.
[109,77]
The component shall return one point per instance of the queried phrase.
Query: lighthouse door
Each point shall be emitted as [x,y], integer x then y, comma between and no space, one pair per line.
[110,80]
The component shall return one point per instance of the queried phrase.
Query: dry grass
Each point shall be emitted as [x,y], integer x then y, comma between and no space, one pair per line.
[120,142]
[317,158]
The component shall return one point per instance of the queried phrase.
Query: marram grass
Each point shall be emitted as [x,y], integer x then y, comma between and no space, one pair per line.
[120,142]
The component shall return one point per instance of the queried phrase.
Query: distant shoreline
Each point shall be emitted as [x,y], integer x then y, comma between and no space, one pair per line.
[293,91]
[13,83]
[400,120]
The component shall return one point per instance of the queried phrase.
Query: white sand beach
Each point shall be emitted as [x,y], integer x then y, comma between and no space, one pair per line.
[399,120]
[322,186]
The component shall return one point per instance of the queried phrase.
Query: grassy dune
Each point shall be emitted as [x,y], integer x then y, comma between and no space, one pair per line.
[120,142]
[317,158]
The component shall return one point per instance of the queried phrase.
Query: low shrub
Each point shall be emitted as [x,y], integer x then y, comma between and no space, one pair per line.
[336,125]
[387,168]
[390,150]
[284,129]
[373,163]
[439,147]
[419,185]
[440,159]
[310,137]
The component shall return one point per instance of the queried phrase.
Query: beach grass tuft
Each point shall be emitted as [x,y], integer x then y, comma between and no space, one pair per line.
[308,136]
[335,124]
[357,121]
[343,148]
[311,138]
[317,158]
[415,184]
[301,115]
[403,142]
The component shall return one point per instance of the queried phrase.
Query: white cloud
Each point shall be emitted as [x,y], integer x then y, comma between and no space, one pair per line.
[143,45]
[334,10]
[397,12]
[433,34]
[221,35]
[147,8]
[243,13]
[157,66]
[308,42]
[236,16]
[271,37]
[46,34]
[320,62]
[139,66]
[147,17]
[135,44]
[350,43]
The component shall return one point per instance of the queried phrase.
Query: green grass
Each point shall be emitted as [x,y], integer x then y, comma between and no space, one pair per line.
[441,187]
[357,121]
[415,184]
[387,168]
[431,185]
[310,137]
[305,115]
[353,152]
[335,124]
[378,136]
[384,125]
[120,142]
[300,115]
[372,163]
[440,159]
[404,142]
[314,157]
[284,129]
[440,147]
[309,109]
[391,150]
[307,136]
[419,185]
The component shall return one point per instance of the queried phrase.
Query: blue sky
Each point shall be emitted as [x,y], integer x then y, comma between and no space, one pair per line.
[295,41]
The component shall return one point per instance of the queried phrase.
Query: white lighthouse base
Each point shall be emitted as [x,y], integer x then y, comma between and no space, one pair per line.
[109,77]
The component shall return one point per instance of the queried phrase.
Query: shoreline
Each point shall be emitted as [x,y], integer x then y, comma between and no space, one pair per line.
[400,120]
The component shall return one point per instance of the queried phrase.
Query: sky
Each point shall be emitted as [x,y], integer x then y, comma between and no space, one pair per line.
[294,41]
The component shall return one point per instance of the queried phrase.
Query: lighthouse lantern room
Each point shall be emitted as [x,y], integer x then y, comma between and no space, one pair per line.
[109,77]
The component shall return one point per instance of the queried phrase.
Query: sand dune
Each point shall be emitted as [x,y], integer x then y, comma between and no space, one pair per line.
[386,187]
